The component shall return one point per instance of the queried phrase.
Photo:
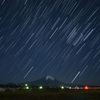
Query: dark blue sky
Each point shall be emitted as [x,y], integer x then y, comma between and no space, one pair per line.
[60,38]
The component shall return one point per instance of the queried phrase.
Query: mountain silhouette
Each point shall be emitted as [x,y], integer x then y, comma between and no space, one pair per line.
[46,81]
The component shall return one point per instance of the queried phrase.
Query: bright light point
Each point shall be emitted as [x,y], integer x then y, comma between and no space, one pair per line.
[40,87]
[86,88]
[62,87]
[26,85]
[70,87]
[76,87]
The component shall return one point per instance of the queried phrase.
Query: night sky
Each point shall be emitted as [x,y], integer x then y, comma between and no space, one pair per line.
[59,38]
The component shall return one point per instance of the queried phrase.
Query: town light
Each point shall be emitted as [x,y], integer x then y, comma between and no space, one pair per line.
[86,88]
[70,87]
[40,87]
[27,87]
[62,87]
[26,84]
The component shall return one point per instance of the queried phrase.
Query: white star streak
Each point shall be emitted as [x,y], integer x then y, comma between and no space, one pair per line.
[75,77]
[53,33]
[28,72]
[88,34]
[84,70]
[80,49]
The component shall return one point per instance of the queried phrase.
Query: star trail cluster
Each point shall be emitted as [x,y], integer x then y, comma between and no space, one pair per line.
[59,38]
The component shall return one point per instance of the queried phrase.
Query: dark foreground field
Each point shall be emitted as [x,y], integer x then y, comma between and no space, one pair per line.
[53,94]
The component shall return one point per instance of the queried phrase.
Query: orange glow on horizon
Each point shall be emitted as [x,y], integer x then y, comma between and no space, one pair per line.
[86,88]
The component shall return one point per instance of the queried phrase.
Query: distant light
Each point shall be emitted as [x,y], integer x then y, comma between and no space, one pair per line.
[26,84]
[86,88]
[76,87]
[70,87]
[73,88]
[67,87]
[62,87]
[40,87]
[27,87]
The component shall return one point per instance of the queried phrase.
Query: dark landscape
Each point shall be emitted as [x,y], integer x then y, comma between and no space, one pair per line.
[48,88]
[51,94]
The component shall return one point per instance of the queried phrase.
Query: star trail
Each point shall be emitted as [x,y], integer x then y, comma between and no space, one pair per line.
[59,38]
